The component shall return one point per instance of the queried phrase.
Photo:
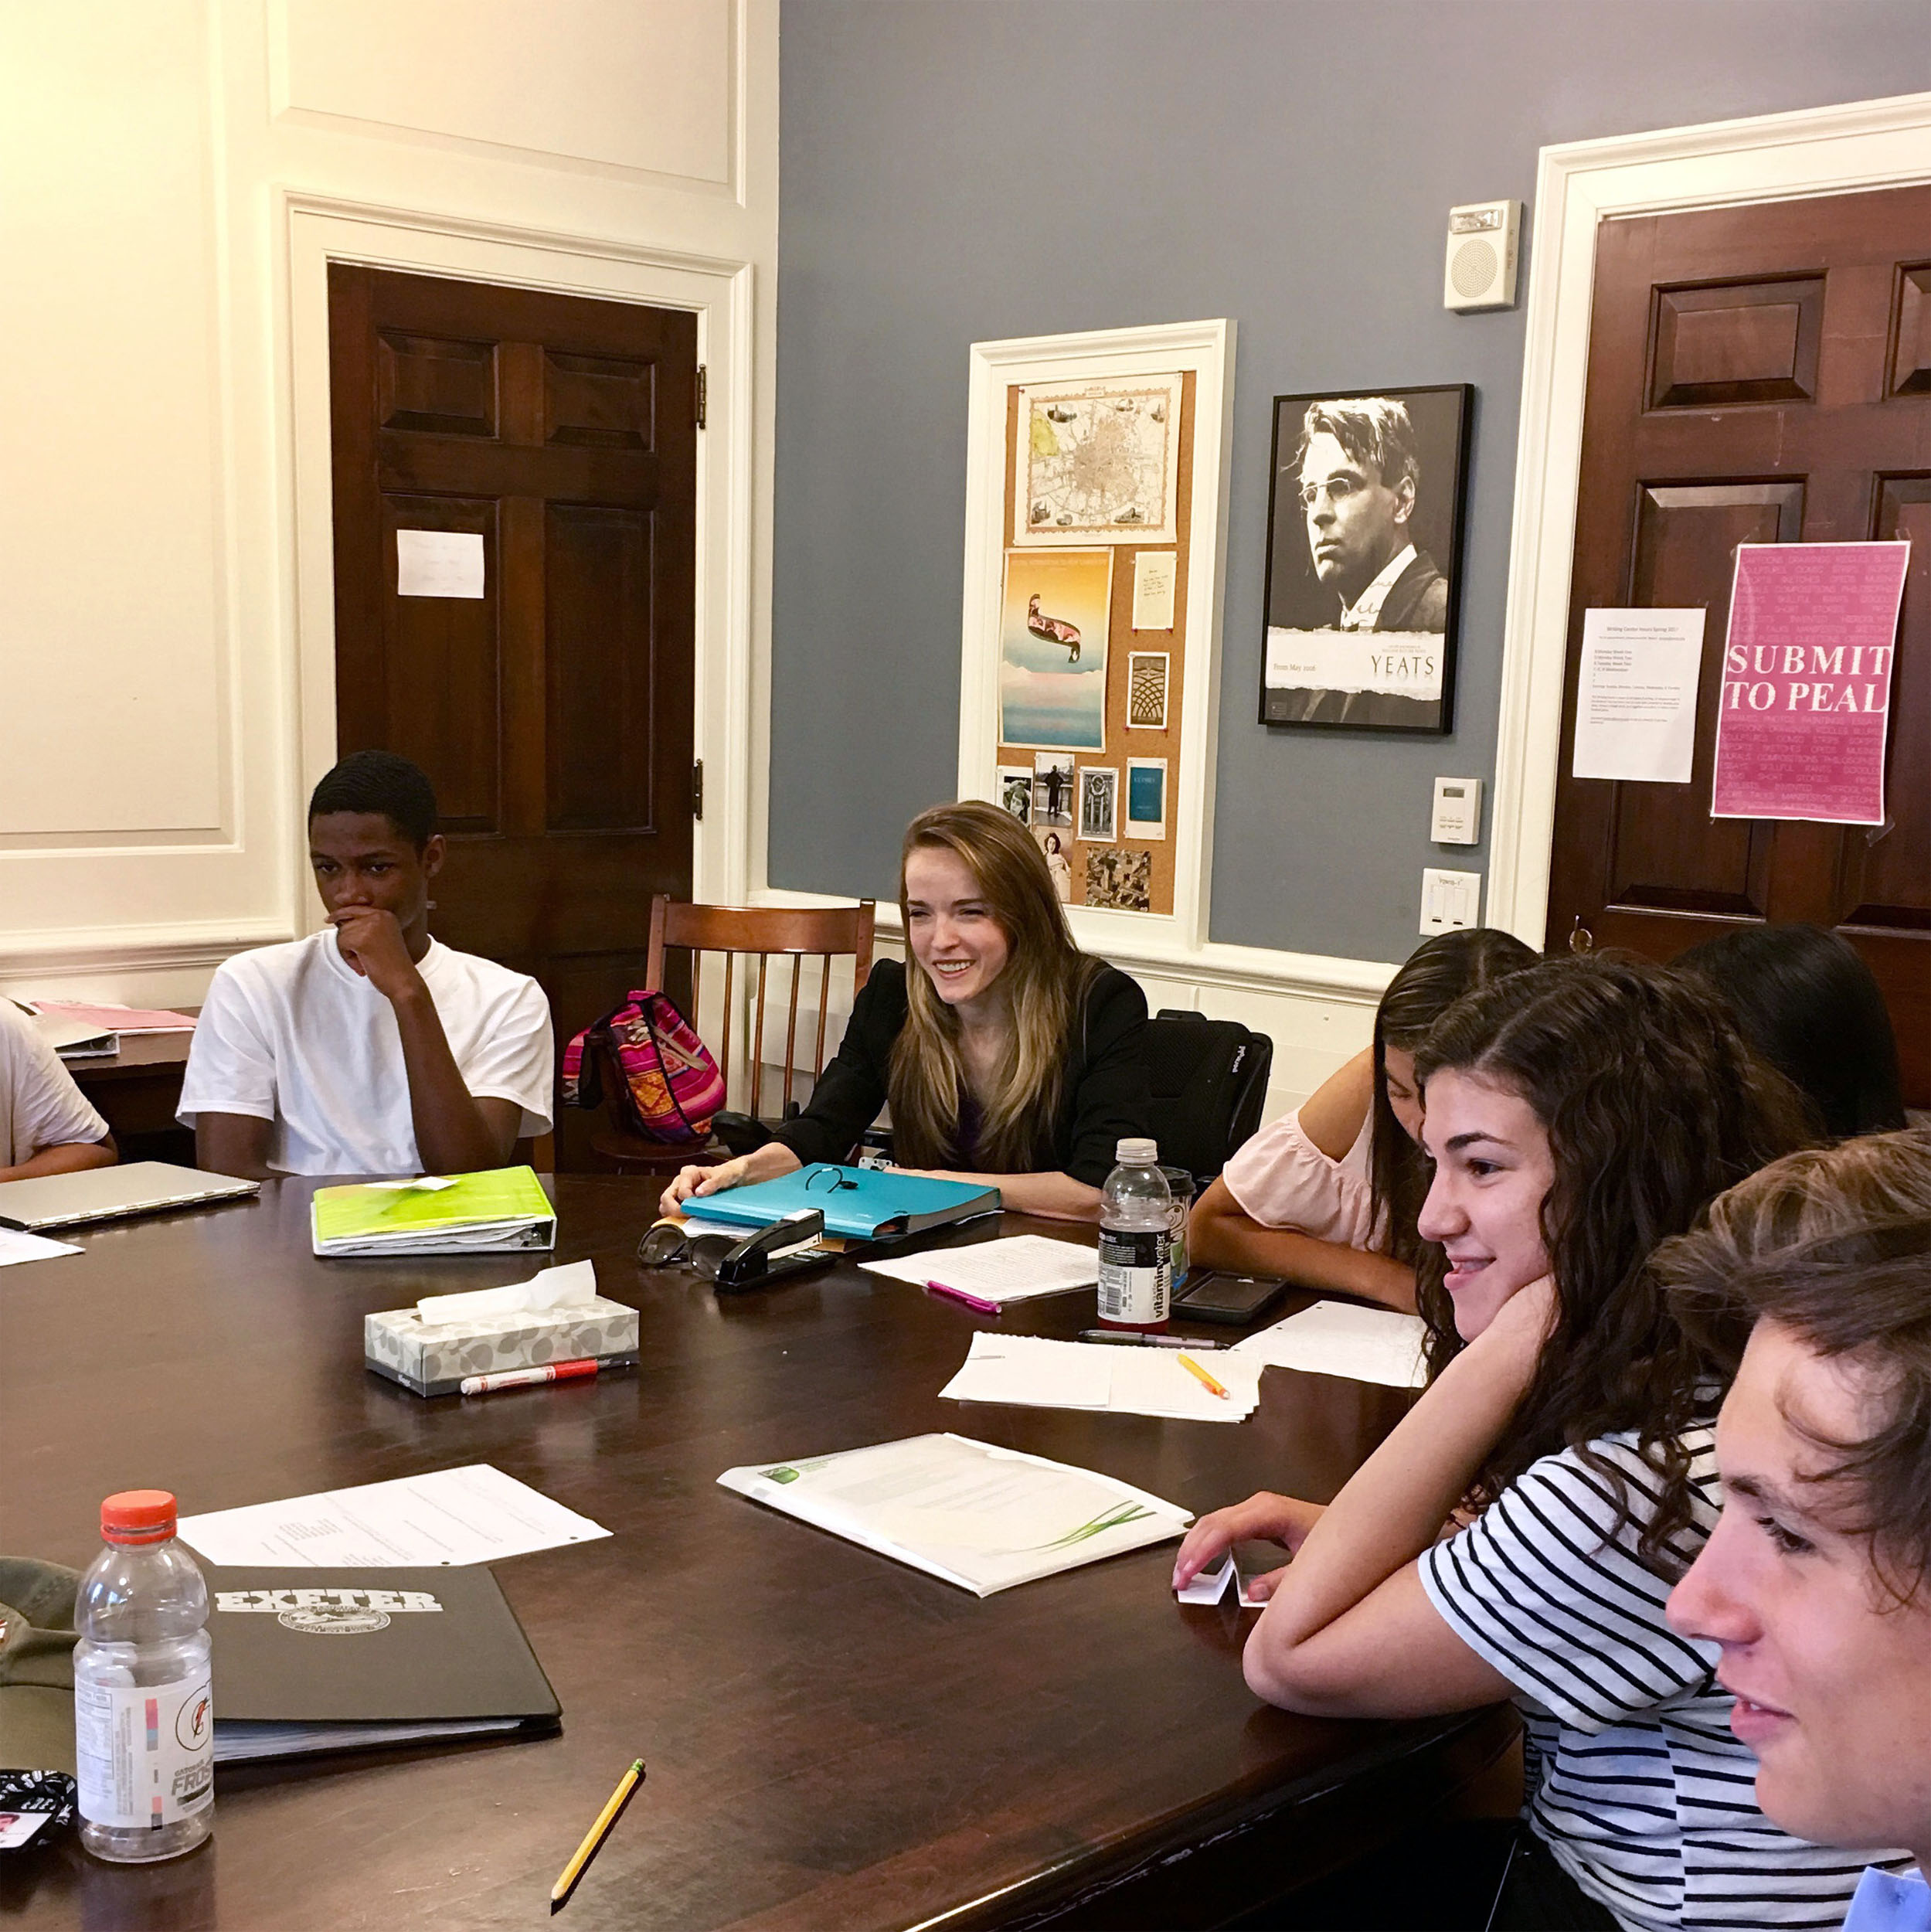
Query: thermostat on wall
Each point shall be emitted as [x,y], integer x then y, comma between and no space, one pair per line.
[1482,237]
[1457,818]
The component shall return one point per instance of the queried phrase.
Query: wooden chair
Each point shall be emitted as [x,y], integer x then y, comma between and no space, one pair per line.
[764,933]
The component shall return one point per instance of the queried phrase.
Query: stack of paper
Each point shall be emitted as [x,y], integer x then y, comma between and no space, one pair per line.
[503,1209]
[995,1272]
[1033,1372]
[1337,1338]
[983,1518]
[473,1515]
[117,1019]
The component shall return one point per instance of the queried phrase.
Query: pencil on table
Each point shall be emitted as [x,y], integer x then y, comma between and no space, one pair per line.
[1201,1375]
[594,1839]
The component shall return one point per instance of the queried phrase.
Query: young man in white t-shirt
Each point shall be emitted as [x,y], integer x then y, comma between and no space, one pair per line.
[367,1048]
[47,1124]
[1816,1583]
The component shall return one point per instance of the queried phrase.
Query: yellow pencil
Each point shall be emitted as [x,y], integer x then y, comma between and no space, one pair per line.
[594,1839]
[1200,1374]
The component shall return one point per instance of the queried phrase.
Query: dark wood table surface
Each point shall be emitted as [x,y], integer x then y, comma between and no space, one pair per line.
[834,1741]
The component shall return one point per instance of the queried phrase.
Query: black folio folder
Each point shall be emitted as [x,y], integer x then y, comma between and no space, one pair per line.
[308,1661]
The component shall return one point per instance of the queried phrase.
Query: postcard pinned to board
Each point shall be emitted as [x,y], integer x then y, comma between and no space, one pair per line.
[1154,573]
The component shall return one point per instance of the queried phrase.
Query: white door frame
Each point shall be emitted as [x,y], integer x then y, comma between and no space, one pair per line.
[1822,151]
[728,733]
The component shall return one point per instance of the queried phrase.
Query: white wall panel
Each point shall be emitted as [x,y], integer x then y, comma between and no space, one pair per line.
[634,84]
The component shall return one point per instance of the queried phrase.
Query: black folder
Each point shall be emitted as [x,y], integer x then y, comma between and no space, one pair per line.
[309,1660]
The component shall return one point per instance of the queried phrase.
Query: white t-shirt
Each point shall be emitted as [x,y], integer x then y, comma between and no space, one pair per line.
[1636,1782]
[294,1035]
[39,1104]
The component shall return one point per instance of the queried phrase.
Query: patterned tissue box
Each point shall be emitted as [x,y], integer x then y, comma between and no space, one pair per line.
[433,1358]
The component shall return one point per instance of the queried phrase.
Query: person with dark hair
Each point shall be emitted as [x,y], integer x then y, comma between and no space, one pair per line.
[1517,1534]
[1008,1055]
[369,1047]
[1805,999]
[1811,1278]
[1327,1197]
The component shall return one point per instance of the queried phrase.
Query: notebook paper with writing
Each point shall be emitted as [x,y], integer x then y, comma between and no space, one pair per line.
[307,1660]
[501,1209]
[1014,1269]
[865,1203]
[983,1518]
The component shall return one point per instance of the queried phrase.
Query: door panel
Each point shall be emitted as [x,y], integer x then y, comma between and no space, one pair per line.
[1757,374]
[554,714]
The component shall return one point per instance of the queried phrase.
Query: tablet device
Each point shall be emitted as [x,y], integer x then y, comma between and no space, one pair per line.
[1234,1299]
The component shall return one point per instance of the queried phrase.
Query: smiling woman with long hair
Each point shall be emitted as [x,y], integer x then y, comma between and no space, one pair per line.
[1517,1534]
[1006,1055]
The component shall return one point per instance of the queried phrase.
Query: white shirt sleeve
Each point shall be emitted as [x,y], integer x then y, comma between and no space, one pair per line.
[47,1109]
[1543,1587]
[514,1058]
[231,1062]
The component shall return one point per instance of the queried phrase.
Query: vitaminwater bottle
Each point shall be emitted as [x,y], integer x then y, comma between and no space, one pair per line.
[144,1720]
[1136,1241]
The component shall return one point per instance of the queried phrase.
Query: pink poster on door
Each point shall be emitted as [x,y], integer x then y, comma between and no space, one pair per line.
[1806,682]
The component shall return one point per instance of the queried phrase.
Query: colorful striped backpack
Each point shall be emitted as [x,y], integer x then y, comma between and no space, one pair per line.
[670,1085]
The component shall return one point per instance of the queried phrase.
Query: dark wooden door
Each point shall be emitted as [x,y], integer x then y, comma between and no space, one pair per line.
[554,713]
[1758,375]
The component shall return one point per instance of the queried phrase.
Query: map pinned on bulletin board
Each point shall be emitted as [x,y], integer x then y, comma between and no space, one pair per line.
[1098,462]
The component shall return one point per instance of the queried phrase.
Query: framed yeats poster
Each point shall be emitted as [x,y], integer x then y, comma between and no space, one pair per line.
[1363,559]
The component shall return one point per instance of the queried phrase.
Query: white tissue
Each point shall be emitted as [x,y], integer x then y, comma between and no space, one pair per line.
[572,1286]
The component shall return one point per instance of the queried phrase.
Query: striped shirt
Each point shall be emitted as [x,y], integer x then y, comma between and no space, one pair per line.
[1635,1781]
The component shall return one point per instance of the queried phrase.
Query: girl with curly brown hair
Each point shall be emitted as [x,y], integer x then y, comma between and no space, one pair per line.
[1517,1534]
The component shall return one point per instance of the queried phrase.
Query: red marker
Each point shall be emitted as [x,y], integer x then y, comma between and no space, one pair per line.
[528,1378]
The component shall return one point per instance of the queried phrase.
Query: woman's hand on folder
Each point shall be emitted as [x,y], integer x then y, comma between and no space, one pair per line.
[767,1163]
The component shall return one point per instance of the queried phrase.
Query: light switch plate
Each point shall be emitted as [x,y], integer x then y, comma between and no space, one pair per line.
[1457,816]
[1451,900]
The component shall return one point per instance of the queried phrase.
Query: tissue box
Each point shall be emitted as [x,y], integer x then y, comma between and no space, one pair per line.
[433,1358]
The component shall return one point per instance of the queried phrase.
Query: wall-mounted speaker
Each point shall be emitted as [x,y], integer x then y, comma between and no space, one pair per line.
[1482,236]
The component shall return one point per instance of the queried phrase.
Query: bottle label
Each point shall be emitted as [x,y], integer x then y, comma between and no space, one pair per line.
[1136,1274]
[145,1753]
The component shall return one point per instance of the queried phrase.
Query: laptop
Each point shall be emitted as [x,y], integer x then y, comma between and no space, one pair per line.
[103,1193]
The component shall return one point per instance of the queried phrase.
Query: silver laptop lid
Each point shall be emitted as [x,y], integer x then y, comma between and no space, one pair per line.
[100,1193]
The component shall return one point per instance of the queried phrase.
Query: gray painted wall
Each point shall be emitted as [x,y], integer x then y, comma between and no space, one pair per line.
[960,170]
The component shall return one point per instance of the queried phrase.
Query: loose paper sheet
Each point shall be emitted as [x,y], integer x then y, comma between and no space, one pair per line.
[117,1019]
[1154,572]
[1337,1338]
[1210,1585]
[439,563]
[1636,695]
[473,1515]
[1032,1372]
[1014,1269]
[983,1518]
[1806,682]
[15,1247]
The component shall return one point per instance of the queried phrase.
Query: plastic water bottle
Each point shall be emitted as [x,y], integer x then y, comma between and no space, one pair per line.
[144,1718]
[1136,1240]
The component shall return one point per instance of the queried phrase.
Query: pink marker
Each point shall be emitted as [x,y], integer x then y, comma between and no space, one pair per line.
[970,1300]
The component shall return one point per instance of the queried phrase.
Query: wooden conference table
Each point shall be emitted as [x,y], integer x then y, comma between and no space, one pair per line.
[834,1741]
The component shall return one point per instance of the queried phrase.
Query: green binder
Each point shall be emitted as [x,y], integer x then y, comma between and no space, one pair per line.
[504,1210]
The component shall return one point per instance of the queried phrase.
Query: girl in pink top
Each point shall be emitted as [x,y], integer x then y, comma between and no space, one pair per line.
[1328,1196]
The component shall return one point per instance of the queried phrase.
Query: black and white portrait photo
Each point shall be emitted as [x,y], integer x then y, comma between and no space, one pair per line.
[1364,551]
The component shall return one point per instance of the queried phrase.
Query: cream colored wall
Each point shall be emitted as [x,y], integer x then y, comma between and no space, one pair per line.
[174,175]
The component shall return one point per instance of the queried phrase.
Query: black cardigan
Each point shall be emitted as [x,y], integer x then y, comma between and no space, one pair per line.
[1104,1099]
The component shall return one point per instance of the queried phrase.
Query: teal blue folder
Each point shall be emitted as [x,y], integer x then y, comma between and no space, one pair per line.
[861,1203]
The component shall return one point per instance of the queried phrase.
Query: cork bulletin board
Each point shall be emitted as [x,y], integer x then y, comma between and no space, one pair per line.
[1103,540]
[1096,503]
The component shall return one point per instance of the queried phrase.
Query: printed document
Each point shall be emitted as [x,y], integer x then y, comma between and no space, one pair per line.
[1636,694]
[473,1515]
[1012,1270]
[1034,1372]
[17,1247]
[1337,1338]
[983,1518]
